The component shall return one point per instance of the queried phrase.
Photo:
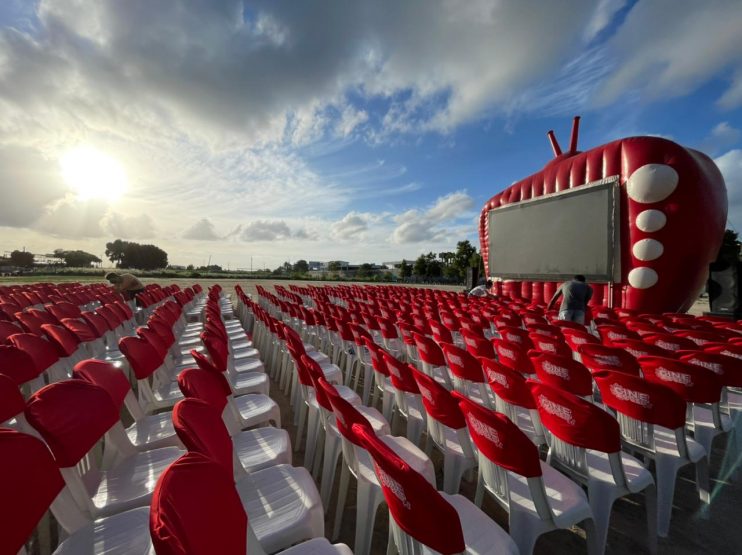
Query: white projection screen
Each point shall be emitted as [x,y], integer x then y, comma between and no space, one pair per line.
[556,236]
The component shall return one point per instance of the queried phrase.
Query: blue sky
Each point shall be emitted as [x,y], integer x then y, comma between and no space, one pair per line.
[373,131]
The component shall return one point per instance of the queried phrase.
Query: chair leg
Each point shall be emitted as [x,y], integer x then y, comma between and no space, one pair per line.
[666,472]
[342,494]
[650,504]
[329,467]
[368,499]
[479,495]
[702,480]
[593,544]
[302,416]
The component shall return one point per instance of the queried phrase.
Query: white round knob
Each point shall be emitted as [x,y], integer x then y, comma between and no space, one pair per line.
[650,221]
[648,249]
[642,278]
[652,183]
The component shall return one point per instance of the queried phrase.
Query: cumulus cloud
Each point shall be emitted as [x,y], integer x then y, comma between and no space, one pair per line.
[351,227]
[305,234]
[730,165]
[722,136]
[415,226]
[202,230]
[265,230]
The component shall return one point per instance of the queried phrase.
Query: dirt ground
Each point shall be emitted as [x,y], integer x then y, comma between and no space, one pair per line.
[694,529]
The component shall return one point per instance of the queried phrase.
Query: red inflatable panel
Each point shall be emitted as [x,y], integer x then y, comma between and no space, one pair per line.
[673,207]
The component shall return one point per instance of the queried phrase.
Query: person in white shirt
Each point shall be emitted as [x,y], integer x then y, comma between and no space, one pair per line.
[482,290]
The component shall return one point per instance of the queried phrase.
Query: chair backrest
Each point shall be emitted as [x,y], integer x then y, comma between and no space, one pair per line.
[602,357]
[638,348]
[210,387]
[616,332]
[62,338]
[563,372]
[416,507]
[640,405]
[29,481]
[30,322]
[112,319]
[515,335]
[217,350]
[428,350]
[346,414]
[513,355]
[507,384]
[71,416]
[143,357]
[500,440]
[196,510]
[477,344]
[576,425]
[463,365]
[96,322]
[439,404]
[11,400]
[63,309]
[17,364]
[43,353]
[729,369]
[670,342]
[7,329]
[104,375]
[400,374]
[153,338]
[204,363]
[547,344]
[577,337]
[693,383]
[80,329]
[377,358]
[201,429]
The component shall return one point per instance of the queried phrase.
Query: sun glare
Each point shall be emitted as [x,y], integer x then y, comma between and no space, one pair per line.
[93,174]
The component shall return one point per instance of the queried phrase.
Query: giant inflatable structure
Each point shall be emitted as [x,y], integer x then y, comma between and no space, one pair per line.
[642,217]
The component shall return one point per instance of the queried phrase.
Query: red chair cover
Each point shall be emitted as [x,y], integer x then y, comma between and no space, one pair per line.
[513,355]
[29,481]
[201,429]
[143,357]
[564,373]
[62,338]
[210,387]
[17,364]
[80,329]
[400,374]
[500,440]
[104,375]
[477,344]
[416,506]
[508,384]
[196,510]
[428,350]
[438,401]
[43,353]
[641,399]
[574,420]
[602,357]
[11,400]
[462,363]
[348,419]
[71,416]
[693,383]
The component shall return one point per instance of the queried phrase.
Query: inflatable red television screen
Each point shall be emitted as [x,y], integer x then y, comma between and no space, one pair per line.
[642,218]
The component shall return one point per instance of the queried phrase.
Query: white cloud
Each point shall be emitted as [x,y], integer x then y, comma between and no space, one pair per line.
[351,227]
[417,226]
[602,16]
[670,48]
[350,118]
[202,230]
[722,136]
[264,230]
[730,165]
[123,226]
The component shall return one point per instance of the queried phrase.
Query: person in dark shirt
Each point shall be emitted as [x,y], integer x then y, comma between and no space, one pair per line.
[575,296]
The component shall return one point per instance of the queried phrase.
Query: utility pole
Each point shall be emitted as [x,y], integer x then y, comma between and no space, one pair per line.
[251,264]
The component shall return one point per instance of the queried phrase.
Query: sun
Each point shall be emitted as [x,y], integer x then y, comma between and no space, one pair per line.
[93,174]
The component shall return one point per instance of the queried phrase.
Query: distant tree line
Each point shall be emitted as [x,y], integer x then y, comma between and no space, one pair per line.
[452,265]
[127,254]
